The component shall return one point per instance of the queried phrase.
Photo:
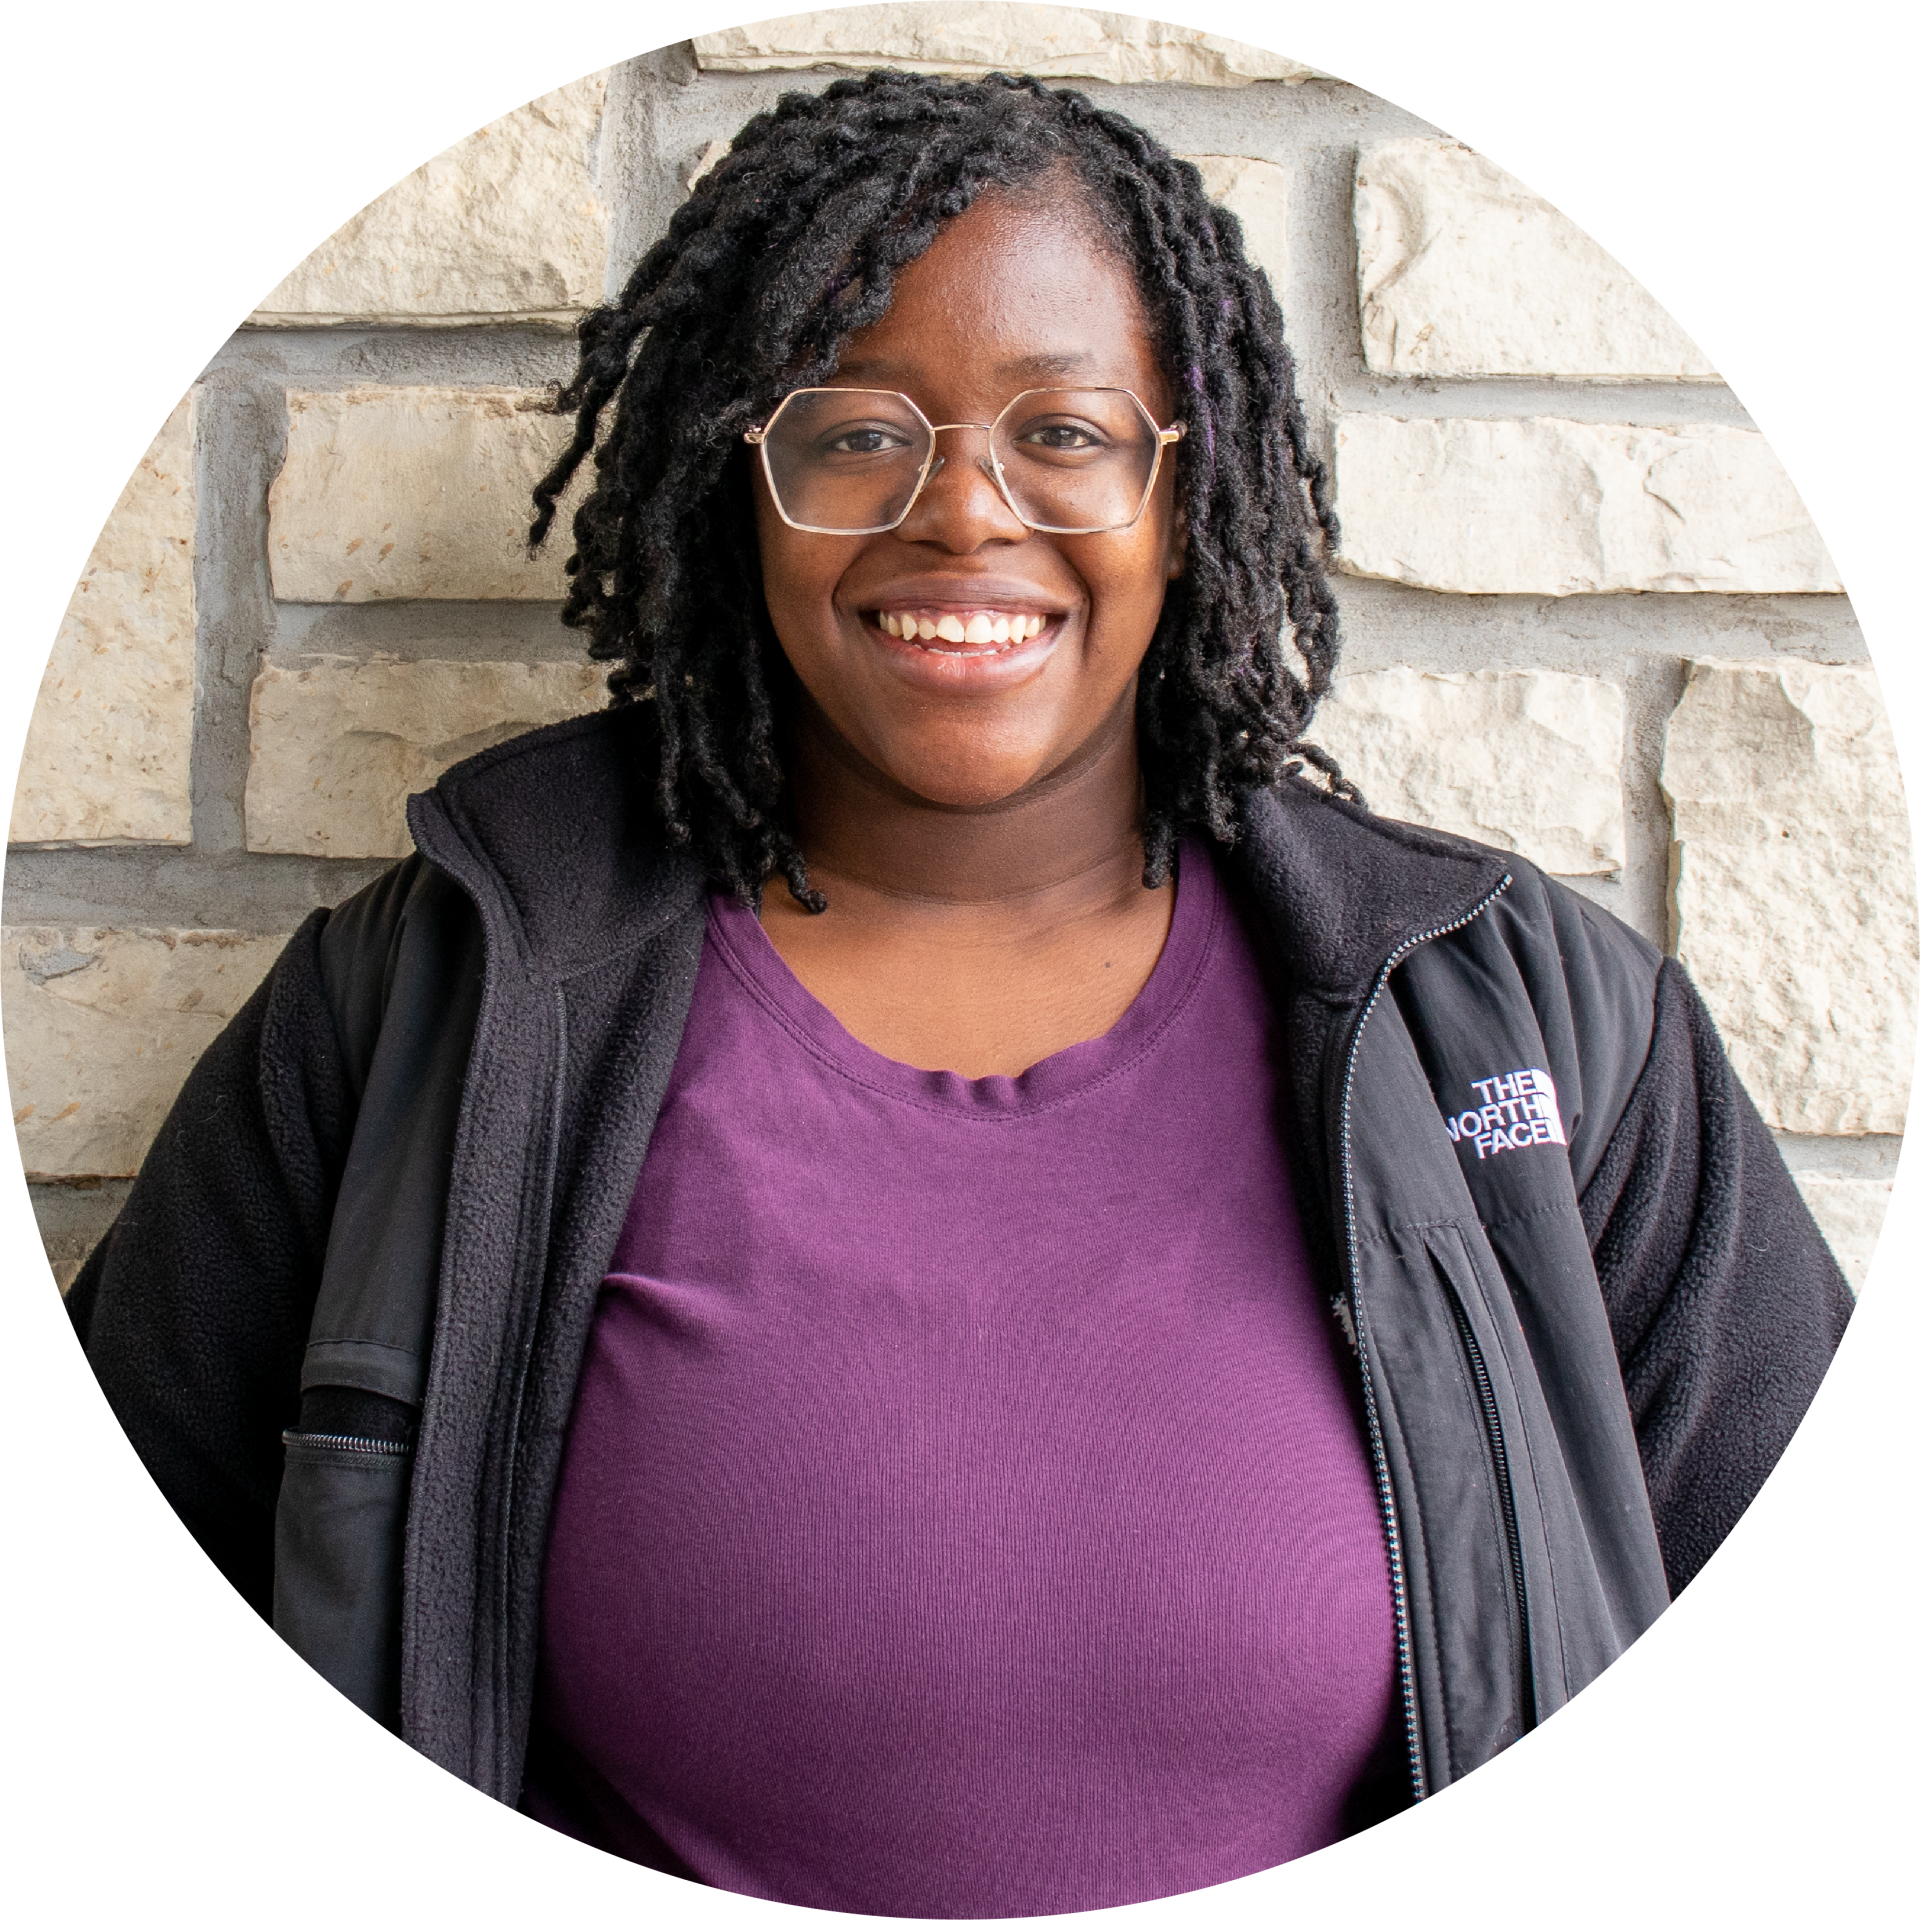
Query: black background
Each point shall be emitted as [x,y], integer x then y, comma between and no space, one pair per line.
[166,177]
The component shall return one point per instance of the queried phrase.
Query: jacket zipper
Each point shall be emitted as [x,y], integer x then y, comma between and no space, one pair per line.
[347,1443]
[526,1336]
[1396,1560]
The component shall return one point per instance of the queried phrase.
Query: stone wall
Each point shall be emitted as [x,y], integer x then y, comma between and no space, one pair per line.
[1587,617]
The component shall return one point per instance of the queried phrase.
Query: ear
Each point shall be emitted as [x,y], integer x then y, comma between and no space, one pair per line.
[1177,546]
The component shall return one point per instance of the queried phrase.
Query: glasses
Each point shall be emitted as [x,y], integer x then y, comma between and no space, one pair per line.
[1065,459]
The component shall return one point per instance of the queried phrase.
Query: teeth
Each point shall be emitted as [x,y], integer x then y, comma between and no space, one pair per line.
[976,630]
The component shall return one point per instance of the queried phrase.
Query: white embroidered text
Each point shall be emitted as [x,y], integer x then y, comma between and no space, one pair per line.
[1518,1109]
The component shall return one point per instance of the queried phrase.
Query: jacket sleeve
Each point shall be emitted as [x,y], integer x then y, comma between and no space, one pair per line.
[194,1309]
[1725,1304]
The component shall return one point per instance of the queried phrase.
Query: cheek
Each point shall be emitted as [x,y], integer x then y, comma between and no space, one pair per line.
[1129,584]
[799,573]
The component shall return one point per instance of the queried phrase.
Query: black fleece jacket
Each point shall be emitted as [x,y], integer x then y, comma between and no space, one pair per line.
[380,1210]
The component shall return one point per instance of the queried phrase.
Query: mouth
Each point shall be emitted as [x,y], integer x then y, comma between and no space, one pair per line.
[960,630]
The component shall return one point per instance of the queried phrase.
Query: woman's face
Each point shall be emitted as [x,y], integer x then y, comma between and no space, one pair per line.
[1014,294]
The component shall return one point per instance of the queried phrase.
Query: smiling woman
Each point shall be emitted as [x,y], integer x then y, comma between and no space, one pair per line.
[1129,1319]
[1048,929]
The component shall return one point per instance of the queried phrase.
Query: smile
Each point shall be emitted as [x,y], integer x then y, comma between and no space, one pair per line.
[963,627]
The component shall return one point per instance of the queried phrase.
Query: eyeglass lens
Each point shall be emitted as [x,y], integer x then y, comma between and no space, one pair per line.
[849,459]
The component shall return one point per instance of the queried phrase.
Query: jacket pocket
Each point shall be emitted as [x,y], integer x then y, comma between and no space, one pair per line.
[339,1529]
[1454,1272]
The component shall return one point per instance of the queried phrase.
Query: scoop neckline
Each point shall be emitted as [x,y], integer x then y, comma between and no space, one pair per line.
[740,942]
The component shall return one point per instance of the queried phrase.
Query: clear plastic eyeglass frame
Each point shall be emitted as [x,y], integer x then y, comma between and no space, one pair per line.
[933,461]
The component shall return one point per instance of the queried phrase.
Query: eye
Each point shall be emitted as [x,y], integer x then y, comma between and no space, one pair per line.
[1062,436]
[865,440]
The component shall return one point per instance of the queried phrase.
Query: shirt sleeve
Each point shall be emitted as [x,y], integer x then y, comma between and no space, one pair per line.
[194,1309]
[1725,1304]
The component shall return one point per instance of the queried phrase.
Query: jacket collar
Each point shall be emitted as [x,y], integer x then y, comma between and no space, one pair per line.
[555,835]
[1341,890]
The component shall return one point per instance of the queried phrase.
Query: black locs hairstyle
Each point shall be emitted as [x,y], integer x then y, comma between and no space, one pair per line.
[786,248]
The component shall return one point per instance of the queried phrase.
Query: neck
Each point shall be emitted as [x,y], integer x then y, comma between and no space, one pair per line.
[973,939]
[1076,828]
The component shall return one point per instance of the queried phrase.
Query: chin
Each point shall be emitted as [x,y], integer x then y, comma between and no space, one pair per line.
[965,789]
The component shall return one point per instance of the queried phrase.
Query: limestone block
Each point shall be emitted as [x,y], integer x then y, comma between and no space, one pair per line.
[1793,887]
[415,493]
[507,224]
[1463,271]
[111,734]
[1524,760]
[1256,192]
[1848,1213]
[102,1025]
[1557,507]
[1052,42]
[337,748]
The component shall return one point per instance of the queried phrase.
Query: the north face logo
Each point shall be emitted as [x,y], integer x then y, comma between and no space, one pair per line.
[1518,1109]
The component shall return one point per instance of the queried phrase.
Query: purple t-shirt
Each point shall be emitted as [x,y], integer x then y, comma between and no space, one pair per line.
[965,1508]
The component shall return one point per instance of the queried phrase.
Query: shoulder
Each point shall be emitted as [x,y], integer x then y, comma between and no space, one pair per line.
[412,922]
[557,838]
[542,807]
[1590,988]
[1479,943]
[612,753]
[1595,956]
[1350,890]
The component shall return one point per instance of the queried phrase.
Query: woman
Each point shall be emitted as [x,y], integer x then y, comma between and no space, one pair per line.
[964,1383]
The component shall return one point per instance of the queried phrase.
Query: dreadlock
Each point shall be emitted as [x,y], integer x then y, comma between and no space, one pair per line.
[786,248]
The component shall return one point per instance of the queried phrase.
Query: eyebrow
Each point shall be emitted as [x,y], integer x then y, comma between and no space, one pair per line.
[1027,366]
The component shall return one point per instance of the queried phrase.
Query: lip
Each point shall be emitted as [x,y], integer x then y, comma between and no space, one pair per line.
[1005,596]
[962,668]
[965,670]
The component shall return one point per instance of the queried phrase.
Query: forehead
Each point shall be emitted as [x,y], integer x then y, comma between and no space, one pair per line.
[1013,293]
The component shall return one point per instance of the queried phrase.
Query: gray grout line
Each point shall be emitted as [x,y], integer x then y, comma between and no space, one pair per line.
[243,437]
[481,630]
[1861,1156]
[1654,686]
[1640,403]
[329,358]
[1386,623]
[174,887]
[72,1215]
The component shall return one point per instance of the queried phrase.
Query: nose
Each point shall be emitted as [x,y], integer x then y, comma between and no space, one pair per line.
[961,507]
